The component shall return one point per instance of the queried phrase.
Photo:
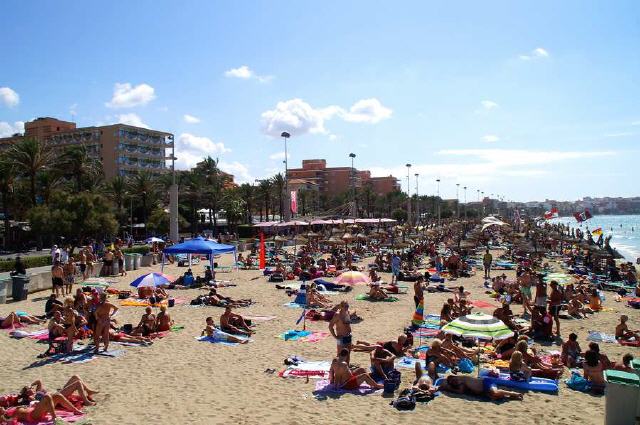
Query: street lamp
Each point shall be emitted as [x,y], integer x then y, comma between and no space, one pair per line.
[287,210]
[354,209]
[458,199]
[465,202]
[438,186]
[417,200]
[408,195]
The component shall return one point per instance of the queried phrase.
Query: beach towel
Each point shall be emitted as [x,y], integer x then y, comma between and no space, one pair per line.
[365,297]
[40,335]
[307,369]
[258,318]
[601,337]
[482,304]
[294,305]
[304,336]
[425,333]
[68,417]
[214,340]
[323,387]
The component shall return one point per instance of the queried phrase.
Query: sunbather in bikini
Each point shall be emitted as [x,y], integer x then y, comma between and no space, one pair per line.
[123,337]
[74,385]
[15,319]
[377,294]
[38,411]
[147,324]
[465,384]
[423,384]
[460,352]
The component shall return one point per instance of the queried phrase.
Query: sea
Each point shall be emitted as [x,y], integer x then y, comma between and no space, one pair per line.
[624,231]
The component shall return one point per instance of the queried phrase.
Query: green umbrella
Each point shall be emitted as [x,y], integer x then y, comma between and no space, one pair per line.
[478,326]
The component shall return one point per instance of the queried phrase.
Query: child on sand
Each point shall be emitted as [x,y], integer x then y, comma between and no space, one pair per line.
[623,332]
[570,351]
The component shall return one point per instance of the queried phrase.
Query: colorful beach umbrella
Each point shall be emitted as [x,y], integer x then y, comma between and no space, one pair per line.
[152,280]
[153,239]
[478,326]
[352,278]
[418,315]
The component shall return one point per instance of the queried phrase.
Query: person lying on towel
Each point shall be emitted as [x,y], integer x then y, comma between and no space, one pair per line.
[212,332]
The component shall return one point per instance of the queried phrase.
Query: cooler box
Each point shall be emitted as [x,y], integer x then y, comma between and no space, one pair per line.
[621,397]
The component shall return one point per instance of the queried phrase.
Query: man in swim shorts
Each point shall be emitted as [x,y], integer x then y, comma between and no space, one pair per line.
[340,328]
[343,378]
[465,384]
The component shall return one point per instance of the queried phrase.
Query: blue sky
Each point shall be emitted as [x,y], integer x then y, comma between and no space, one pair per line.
[529,100]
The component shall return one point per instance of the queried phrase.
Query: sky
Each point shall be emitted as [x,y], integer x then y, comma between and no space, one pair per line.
[527,100]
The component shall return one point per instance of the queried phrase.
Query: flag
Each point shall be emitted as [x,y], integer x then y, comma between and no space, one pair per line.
[551,214]
[582,216]
[294,202]
[597,232]
[263,261]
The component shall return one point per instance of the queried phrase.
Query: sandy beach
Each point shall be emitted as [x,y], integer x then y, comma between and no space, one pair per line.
[181,380]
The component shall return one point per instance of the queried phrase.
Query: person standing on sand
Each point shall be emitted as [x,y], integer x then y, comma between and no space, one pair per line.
[69,275]
[487,259]
[395,267]
[555,304]
[340,329]
[57,274]
[103,314]
[83,264]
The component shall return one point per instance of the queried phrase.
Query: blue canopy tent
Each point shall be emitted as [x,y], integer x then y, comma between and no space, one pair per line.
[199,245]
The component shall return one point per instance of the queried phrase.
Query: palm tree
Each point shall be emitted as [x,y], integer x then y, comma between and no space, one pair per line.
[278,186]
[77,163]
[265,190]
[6,191]
[48,181]
[191,185]
[215,181]
[145,185]
[117,189]
[234,207]
[29,157]
[247,194]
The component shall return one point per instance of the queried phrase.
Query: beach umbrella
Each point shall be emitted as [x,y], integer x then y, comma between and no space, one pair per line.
[278,238]
[334,240]
[347,237]
[313,235]
[153,239]
[361,236]
[152,280]
[478,326]
[352,278]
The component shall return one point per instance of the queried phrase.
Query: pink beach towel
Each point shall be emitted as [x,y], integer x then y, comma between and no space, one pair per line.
[482,304]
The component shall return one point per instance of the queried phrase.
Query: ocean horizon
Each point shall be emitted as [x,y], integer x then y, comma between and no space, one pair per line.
[624,231]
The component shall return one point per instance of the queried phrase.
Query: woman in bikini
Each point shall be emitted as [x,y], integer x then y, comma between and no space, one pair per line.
[39,411]
[163,320]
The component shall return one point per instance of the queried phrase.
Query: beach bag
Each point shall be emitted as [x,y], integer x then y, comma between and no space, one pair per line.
[196,301]
[465,366]
[405,401]
[578,383]
[171,302]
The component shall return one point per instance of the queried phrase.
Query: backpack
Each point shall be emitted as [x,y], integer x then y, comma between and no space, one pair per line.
[405,401]
[578,383]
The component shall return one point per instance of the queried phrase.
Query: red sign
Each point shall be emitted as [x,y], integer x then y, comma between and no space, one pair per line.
[294,202]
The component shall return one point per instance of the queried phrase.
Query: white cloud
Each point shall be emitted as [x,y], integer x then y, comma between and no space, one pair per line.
[490,138]
[279,156]
[245,73]
[621,134]
[297,117]
[537,53]
[131,119]
[9,97]
[475,166]
[367,110]
[7,129]
[127,96]
[489,104]
[333,137]
[191,119]
[191,149]
[240,172]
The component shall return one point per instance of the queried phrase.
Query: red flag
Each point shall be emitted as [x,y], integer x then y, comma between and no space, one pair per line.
[294,202]
[582,216]
[263,260]
[551,214]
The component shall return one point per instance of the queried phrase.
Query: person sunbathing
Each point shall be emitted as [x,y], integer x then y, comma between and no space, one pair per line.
[518,370]
[531,359]
[437,355]
[505,347]
[38,411]
[382,361]
[460,352]
[147,324]
[373,275]
[423,384]
[55,326]
[593,371]
[595,303]
[570,351]
[465,384]
[625,365]
[623,332]
[16,319]
[123,337]
[577,309]
[341,377]
[446,314]
[377,294]
[234,323]
[211,331]
[216,299]
[603,358]
[163,320]
[74,385]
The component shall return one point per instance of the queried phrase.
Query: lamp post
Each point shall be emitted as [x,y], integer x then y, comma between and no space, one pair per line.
[458,199]
[354,209]
[438,191]
[417,200]
[287,210]
[408,195]
[465,202]
[483,211]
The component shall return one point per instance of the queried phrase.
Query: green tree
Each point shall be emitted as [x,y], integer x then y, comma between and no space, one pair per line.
[235,208]
[78,164]
[278,187]
[247,194]
[74,216]
[399,214]
[30,157]
[265,190]
[145,185]
[7,176]
[215,180]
